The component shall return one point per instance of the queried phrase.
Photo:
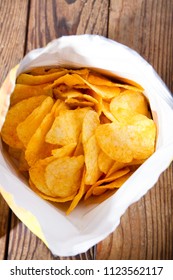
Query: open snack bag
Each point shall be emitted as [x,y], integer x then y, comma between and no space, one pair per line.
[86,130]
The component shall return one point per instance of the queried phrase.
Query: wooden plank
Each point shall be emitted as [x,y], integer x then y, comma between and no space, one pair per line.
[4,216]
[145,230]
[12,42]
[52,19]
[49,20]
[13,15]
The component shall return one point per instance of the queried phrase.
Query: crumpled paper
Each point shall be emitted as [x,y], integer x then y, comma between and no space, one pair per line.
[88,224]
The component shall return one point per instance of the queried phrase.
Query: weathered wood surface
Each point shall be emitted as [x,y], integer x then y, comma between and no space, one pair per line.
[146,229]
[13,22]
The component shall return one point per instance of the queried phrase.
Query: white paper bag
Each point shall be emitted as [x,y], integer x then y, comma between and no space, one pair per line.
[88,224]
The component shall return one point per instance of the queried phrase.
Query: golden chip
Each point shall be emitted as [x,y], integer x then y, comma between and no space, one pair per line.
[25,91]
[66,127]
[37,175]
[91,152]
[104,162]
[104,181]
[127,103]
[64,151]
[37,148]
[78,196]
[17,114]
[50,198]
[98,190]
[63,175]
[125,142]
[27,128]
[78,134]
[41,79]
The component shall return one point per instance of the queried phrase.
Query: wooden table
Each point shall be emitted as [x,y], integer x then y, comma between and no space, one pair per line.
[146,229]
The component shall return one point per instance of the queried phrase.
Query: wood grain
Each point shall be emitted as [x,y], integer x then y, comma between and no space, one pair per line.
[13,16]
[52,19]
[13,22]
[146,228]
[49,20]
[145,26]
[4,226]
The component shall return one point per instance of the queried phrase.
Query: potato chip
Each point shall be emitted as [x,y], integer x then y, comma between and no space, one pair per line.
[66,127]
[23,165]
[119,165]
[91,152]
[43,71]
[37,148]
[37,175]
[104,119]
[107,113]
[66,93]
[64,151]
[123,143]
[127,103]
[90,123]
[33,121]
[88,97]
[91,149]
[130,87]
[37,71]
[105,180]
[99,80]
[60,106]
[112,177]
[67,79]
[113,185]
[78,196]
[79,148]
[22,92]
[105,92]
[104,162]
[41,79]
[14,153]
[63,175]
[75,103]
[97,199]
[50,198]
[17,114]
[77,134]
[84,72]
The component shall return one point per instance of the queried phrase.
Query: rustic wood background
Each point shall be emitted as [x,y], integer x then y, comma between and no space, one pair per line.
[146,229]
